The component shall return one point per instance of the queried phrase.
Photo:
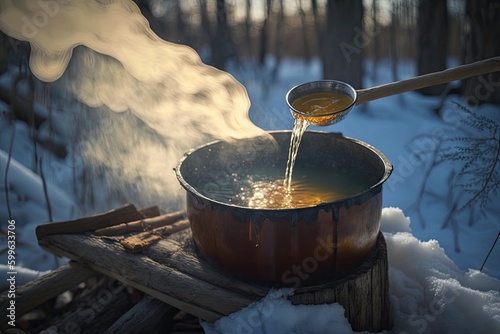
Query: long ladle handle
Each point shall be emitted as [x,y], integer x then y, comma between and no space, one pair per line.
[431,79]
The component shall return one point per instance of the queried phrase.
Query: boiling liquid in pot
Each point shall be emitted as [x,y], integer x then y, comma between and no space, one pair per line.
[264,188]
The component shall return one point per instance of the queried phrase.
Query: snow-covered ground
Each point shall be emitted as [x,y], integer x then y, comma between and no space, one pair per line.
[433,288]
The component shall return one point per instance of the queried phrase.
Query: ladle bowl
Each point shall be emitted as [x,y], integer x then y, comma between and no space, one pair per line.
[322,86]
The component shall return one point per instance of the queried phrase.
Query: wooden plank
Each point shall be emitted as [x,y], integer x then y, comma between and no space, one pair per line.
[178,289]
[181,255]
[149,315]
[174,273]
[123,214]
[40,290]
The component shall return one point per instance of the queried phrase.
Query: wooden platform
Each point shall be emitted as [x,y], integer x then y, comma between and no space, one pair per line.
[172,272]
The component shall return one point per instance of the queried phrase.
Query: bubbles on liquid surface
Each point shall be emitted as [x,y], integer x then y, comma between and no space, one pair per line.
[265,189]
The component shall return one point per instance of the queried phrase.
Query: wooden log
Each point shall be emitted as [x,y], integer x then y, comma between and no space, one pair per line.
[185,292]
[142,225]
[96,310]
[149,315]
[178,251]
[123,214]
[40,290]
[142,241]
[151,211]
[364,292]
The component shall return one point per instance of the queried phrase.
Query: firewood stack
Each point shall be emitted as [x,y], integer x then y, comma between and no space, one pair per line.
[121,222]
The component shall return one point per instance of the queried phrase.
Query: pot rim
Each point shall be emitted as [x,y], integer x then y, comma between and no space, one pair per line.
[388,168]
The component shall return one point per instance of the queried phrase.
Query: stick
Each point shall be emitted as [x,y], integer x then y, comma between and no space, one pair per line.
[141,225]
[123,214]
[142,241]
[491,249]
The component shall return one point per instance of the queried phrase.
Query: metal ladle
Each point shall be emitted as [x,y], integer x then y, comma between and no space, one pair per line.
[369,94]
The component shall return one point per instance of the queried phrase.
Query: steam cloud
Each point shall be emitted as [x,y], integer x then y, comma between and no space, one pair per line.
[169,100]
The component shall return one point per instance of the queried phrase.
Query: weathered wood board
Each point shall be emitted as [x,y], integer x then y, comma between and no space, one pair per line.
[172,272]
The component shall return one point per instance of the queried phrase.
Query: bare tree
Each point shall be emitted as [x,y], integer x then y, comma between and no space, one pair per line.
[344,41]
[432,40]
[264,33]
[248,26]
[279,40]
[483,36]
[376,39]
[222,46]
[393,40]
[304,31]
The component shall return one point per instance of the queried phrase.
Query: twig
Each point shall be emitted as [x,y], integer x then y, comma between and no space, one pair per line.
[141,225]
[123,214]
[45,190]
[6,174]
[491,249]
[488,178]
[435,162]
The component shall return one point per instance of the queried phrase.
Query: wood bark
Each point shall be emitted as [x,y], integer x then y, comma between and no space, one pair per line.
[364,292]
[432,40]
[144,240]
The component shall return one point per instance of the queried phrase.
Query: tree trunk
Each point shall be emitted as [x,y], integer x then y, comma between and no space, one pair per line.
[393,41]
[304,32]
[482,17]
[344,42]
[223,46]
[264,34]
[280,22]
[248,27]
[432,40]
[376,40]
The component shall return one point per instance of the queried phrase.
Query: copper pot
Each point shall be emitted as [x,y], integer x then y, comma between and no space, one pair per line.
[284,246]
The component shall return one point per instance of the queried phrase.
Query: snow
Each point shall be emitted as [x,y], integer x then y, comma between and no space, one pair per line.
[434,288]
[429,294]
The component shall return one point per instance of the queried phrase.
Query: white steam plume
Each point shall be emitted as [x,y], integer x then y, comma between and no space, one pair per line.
[124,66]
